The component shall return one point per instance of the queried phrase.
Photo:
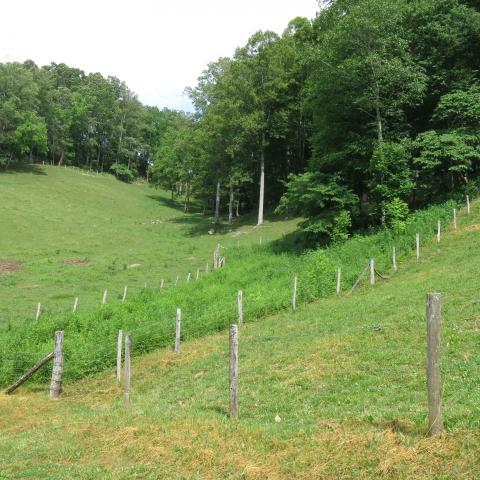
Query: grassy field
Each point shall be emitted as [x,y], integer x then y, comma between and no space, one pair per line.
[76,234]
[345,375]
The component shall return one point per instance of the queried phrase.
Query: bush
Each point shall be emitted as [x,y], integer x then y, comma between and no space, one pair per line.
[122,172]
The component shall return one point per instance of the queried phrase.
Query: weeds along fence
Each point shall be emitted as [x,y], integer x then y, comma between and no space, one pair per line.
[208,305]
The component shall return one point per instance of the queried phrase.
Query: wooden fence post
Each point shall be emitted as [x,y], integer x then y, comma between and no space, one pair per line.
[394,259]
[434,309]
[233,371]
[198,274]
[104,299]
[339,275]
[372,272]
[178,330]
[119,355]
[294,296]
[161,283]
[125,291]
[75,305]
[240,307]
[206,268]
[417,244]
[127,368]
[188,276]
[176,281]
[438,231]
[455,218]
[468,205]
[39,309]
[57,370]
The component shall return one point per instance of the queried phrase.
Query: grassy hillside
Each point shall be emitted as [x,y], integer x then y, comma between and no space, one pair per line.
[75,233]
[345,375]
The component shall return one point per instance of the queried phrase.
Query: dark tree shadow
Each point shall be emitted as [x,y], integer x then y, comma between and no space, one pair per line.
[24,168]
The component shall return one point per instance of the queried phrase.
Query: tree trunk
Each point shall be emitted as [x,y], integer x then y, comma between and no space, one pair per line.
[187,199]
[61,158]
[262,182]
[379,119]
[238,206]
[230,206]
[216,220]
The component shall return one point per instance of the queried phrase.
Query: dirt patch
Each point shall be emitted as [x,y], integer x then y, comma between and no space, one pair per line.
[77,261]
[7,267]
[473,228]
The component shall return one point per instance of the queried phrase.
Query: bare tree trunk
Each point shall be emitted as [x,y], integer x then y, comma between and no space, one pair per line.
[230,205]
[216,219]
[61,158]
[379,119]
[187,199]
[238,205]
[262,182]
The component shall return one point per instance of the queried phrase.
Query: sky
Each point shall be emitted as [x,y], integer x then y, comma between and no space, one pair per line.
[157,47]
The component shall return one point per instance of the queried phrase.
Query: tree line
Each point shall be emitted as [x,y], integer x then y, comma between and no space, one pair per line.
[60,115]
[349,120]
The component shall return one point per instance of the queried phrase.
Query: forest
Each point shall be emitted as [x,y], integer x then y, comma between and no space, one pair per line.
[350,120]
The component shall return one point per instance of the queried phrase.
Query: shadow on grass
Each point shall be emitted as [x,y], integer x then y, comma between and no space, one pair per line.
[24,168]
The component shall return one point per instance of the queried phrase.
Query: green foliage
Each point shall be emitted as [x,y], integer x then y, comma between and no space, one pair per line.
[396,214]
[122,172]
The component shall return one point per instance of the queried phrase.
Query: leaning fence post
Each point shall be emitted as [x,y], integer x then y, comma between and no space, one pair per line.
[75,305]
[240,307]
[178,330]
[39,309]
[339,275]
[57,370]
[104,299]
[233,371]
[188,276]
[125,290]
[394,259]
[438,231]
[294,296]
[434,309]
[468,205]
[119,354]
[127,368]
[161,283]
[455,218]
[417,244]
[372,272]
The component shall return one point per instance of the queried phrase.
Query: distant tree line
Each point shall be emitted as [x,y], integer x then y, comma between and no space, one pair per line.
[60,115]
[349,120]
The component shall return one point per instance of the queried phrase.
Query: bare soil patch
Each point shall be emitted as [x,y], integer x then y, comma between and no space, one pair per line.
[76,261]
[7,267]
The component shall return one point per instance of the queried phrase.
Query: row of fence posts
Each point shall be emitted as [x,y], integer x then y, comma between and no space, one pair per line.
[219,261]
[433,318]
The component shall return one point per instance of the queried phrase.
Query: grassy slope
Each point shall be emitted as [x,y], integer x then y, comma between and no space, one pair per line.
[50,214]
[352,398]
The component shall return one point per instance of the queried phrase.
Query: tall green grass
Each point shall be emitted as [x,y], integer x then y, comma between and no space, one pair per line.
[209,305]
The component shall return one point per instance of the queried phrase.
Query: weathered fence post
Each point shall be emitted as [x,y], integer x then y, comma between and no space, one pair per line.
[294,296]
[434,309]
[198,274]
[119,354]
[438,231]
[394,259]
[178,330]
[240,307]
[372,272]
[188,276]
[39,309]
[57,370]
[176,281]
[261,240]
[161,283]
[127,368]
[468,205]
[75,305]
[455,218]
[206,267]
[233,371]
[339,275]
[104,299]
[417,245]
[125,291]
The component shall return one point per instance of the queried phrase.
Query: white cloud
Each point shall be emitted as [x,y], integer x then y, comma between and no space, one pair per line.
[157,47]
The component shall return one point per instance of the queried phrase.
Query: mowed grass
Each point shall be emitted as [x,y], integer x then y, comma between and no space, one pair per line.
[52,219]
[345,375]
